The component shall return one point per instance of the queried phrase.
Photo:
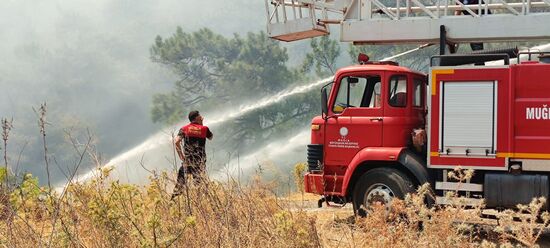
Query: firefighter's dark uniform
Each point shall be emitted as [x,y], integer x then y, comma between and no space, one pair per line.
[194,139]
[475,46]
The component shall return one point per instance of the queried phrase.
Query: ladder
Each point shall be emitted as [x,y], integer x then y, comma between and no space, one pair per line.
[409,21]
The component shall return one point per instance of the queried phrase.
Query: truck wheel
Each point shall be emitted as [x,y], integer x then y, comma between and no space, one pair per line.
[380,185]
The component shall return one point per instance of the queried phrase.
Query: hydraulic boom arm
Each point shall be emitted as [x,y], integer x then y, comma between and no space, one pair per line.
[409,21]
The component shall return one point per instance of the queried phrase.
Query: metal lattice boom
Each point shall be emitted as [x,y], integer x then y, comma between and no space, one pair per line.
[409,21]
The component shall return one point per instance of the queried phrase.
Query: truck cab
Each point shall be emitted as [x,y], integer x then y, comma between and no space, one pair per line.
[368,117]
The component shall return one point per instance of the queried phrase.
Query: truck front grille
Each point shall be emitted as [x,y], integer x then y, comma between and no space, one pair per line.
[314,157]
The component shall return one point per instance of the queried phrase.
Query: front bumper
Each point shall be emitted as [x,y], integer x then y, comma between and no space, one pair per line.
[313,183]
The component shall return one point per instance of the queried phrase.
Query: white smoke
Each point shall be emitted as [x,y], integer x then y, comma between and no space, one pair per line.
[158,149]
[288,147]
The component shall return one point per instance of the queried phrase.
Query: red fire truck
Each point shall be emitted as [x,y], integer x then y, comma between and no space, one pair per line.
[386,129]
[494,119]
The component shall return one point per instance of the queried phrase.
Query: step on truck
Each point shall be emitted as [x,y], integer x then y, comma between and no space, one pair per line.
[386,129]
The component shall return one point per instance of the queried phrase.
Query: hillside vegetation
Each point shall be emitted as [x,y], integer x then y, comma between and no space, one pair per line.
[105,213]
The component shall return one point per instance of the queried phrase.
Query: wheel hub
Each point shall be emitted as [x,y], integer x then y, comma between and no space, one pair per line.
[380,193]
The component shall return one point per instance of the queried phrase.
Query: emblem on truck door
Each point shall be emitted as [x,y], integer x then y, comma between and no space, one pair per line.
[344,132]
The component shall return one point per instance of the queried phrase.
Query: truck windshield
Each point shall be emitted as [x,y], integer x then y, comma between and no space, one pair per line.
[358,92]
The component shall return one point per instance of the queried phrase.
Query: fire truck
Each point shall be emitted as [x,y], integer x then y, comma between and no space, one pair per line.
[386,129]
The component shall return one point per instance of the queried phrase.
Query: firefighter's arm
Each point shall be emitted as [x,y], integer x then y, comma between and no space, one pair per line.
[177,142]
[209,134]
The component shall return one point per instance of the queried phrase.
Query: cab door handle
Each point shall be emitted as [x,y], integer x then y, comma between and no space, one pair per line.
[377,119]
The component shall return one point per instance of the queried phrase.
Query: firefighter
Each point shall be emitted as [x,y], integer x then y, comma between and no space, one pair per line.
[193,155]
[475,46]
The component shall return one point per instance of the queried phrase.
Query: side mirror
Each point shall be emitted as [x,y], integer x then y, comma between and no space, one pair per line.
[324,101]
[353,80]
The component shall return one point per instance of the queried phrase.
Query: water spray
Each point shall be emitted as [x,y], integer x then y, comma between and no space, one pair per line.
[164,137]
[406,52]
[275,149]
[271,100]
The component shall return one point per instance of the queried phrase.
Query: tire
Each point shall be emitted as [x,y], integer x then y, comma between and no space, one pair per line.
[380,185]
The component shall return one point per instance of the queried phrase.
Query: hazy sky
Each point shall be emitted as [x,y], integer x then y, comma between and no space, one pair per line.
[89,60]
[89,54]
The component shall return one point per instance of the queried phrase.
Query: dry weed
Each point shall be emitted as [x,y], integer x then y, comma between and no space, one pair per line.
[103,212]
[107,213]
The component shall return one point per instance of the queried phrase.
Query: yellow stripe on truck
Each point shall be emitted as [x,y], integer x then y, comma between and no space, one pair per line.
[434,75]
[523,155]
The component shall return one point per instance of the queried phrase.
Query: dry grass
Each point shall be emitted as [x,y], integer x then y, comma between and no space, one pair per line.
[103,212]
[106,213]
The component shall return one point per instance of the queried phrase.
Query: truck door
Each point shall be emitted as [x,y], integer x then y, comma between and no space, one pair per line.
[399,118]
[356,118]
